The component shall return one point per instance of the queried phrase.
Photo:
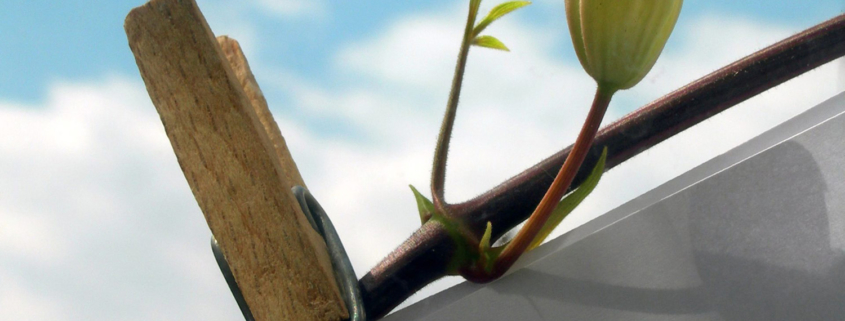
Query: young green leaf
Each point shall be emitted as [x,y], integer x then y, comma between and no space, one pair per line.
[570,202]
[489,42]
[488,255]
[424,206]
[497,13]
[484,245]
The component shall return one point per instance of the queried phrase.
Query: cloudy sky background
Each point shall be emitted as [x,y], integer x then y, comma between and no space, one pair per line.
[98,223]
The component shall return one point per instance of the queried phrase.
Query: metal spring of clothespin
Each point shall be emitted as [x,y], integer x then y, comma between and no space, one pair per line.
[344,274]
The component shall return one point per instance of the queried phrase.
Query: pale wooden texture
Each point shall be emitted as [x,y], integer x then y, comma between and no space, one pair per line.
[237,60]
[238,63]
[231,165]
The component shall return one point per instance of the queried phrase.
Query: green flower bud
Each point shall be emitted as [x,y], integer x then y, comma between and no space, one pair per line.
[618,41]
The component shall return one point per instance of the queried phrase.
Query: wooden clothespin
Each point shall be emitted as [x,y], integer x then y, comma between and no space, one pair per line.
[235,160]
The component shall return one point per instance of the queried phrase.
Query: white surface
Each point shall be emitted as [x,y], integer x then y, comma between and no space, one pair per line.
[755,234]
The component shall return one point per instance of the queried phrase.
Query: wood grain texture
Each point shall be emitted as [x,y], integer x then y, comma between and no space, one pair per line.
[231,165]
[232,49]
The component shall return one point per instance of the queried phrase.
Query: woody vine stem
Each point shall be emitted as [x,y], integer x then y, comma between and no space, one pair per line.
[426,255]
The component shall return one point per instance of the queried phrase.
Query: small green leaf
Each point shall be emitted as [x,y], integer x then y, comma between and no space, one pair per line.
[488,255]
[424,206]
[570,202]
[484,245]
[489,42]
[497,13]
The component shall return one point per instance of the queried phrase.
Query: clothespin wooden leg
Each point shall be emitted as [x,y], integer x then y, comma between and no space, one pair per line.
[235,161]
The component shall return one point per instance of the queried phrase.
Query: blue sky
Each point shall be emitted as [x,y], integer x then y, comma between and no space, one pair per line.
[85,39]
[97,222]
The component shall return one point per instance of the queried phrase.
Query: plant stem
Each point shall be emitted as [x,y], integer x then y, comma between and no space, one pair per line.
[423,257]
[560,185]
[438,170]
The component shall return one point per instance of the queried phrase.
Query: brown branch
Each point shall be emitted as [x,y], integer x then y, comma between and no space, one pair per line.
[423,257]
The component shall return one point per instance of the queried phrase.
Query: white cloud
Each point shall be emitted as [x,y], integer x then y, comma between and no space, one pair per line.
[96,220]
[18,302]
